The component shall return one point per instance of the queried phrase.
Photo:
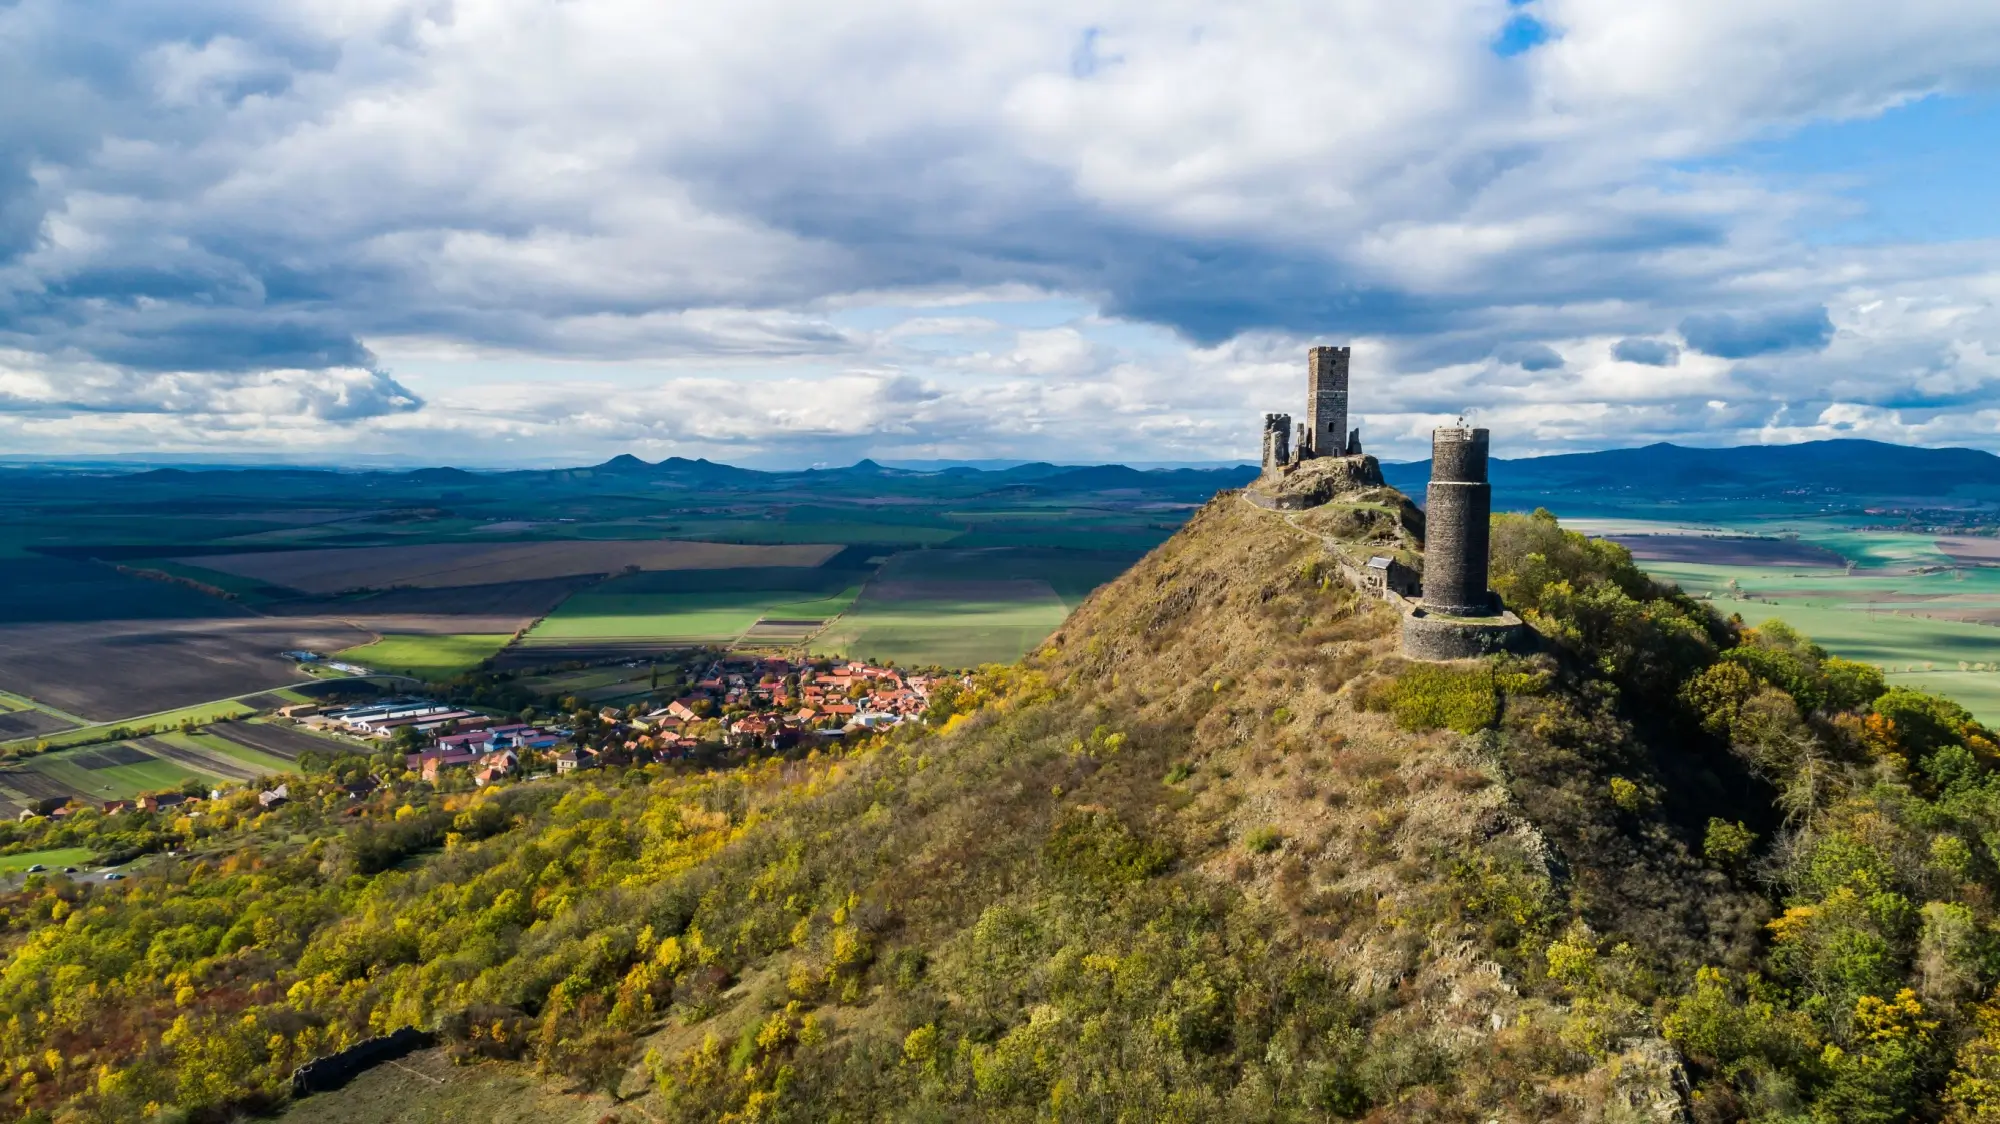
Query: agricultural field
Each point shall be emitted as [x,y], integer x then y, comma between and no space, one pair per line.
[680,618]
[595,685]
[1072,574]
[253,741]
[427,657]
[110,670]
[219,710]
[126,594]
[1892,599]
[21,718]
[59,590]
[498,607]
[652,612]
[457,565]
[952,624]
[966,607]
[124,769]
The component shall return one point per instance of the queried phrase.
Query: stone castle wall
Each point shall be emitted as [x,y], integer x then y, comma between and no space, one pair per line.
[1428,637]
[1457,516]
[335,1070]
[1277,440]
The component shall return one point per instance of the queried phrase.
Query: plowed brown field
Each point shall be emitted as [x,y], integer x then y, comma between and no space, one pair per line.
[107,670]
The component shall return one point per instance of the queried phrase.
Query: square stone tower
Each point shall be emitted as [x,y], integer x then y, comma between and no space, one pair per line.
[1326,402]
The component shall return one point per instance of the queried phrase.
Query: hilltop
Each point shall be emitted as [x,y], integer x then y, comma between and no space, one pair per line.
[1214,851]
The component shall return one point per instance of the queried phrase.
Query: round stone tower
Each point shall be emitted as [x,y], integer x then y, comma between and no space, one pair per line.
[1457,512]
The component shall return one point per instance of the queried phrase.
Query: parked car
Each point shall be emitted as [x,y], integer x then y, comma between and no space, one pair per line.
[69,870]
[37,868]
[114,876]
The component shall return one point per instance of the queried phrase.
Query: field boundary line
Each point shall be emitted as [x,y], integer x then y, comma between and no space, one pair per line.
[33,704]
[141,718]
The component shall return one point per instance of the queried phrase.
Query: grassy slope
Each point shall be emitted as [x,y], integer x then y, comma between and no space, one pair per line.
[1315,912]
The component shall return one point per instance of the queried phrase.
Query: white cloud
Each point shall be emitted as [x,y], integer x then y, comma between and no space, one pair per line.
[229,211]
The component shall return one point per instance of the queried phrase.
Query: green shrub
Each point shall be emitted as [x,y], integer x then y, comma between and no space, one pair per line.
[1628,796]
[1462,699]
[1098,847]
[1264,840]
[1727,843]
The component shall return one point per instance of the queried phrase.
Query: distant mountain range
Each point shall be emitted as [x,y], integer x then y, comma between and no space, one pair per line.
[1856,470]
[713,474]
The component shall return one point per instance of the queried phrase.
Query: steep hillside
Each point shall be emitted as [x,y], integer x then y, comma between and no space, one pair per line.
[1214,852]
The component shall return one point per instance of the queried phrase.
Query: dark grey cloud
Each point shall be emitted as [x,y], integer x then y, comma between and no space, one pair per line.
[1744,335]
[1651,353]
[1530,356]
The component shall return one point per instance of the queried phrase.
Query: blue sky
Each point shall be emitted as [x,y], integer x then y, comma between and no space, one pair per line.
[502,231]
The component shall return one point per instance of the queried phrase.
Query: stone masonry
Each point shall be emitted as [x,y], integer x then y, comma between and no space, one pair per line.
[1457,513]
[1277,440]
[1458,617]
[1326,402]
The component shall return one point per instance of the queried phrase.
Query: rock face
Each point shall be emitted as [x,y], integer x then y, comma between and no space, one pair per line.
[1310,483]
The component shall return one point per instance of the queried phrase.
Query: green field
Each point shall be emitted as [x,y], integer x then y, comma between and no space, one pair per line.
[955,631]
[10,701]
[242,755]
[592,684]
[201,714]
[773,532]
[427,657]
[118,783]
[608,614]
[202,757]
[1072,574]
[55,858]
[1879,614]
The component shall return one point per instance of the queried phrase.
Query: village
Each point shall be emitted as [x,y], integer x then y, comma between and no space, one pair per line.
[744,703]
[730,704]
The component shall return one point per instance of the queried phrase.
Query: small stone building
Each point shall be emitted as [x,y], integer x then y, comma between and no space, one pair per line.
[1384,575]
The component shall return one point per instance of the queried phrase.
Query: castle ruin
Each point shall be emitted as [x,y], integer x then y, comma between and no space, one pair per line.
[1324,433]
[1277,440]
[1458,512]
[1449,614]
[1457,617]
[1326,403]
